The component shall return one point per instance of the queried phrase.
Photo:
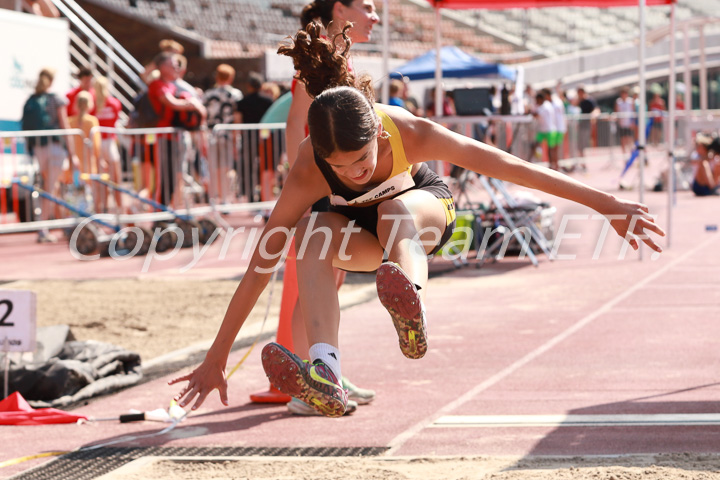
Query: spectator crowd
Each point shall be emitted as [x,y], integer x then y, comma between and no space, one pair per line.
[170,101]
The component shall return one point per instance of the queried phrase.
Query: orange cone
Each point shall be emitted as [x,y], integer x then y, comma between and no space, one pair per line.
[284,331]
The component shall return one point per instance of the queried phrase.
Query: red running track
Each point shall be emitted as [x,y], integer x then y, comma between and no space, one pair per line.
[591,340]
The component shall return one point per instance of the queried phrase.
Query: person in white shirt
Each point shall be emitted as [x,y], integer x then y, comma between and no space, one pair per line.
[221,100]
[560,121]
[625,108]
[546,127]
[221,104]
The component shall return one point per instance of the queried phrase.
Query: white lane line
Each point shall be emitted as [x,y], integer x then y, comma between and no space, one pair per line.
[495,421]
[397,442]
[703,307]
[686,286]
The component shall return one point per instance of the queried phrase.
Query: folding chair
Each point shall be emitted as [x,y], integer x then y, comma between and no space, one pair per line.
[528,217]
[510,224]
[462,182]
[514,217]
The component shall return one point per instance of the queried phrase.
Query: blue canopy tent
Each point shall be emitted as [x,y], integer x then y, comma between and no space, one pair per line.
[455,63]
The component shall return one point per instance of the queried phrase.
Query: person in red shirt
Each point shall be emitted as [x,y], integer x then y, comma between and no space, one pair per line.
[85,76]
[163,91]
[679,102]
[167,45]
[162,95]
[657,106]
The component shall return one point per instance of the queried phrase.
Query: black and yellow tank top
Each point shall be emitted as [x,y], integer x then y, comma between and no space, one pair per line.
[343,199]
[400,178]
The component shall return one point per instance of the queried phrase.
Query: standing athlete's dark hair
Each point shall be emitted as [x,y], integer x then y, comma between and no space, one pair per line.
[322,9]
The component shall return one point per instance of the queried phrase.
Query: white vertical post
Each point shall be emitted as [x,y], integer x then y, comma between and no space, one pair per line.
[93,55]
[386,52]
[703,72]
[671,129]
[438,65]
[6,375]
[641,114]
[687,73]
[110,72]
[6,368]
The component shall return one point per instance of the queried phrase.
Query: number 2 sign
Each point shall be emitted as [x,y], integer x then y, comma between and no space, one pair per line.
[17,320]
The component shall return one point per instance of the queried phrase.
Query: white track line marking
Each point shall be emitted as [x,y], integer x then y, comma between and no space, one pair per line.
[397,442]
[495,421]
[686,286]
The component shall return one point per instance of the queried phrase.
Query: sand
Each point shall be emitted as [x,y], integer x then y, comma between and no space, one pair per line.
[134,313]
[647,467]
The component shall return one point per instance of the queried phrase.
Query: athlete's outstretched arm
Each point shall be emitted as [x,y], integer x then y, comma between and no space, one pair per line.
[426,140]
[295,199]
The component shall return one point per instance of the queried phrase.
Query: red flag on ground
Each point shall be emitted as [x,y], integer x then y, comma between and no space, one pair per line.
[15,410]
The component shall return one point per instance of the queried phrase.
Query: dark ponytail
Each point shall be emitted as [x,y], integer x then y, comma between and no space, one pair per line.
[341,116]
[322,63]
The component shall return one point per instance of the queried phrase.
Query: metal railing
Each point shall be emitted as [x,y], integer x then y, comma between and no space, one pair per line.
[247,162]
[604,131]
[152,174]
[21,157]
[168,173]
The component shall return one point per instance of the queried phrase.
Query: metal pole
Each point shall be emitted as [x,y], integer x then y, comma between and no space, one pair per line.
[703,72]
[386,52]
[6,379]
[671,129]
[641,113]
[110,72]
[438,65]
[687,74]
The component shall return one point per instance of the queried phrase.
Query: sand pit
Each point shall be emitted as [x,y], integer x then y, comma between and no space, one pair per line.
[650,467]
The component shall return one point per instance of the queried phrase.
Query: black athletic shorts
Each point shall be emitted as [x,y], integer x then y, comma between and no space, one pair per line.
[425,179]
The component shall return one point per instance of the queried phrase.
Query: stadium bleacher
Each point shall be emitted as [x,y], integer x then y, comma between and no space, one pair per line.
[245,28]
[259,24]
[557,31]
[526,33]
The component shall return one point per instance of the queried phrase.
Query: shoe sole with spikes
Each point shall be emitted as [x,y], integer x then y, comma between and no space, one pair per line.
[399,296]
[293,377]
